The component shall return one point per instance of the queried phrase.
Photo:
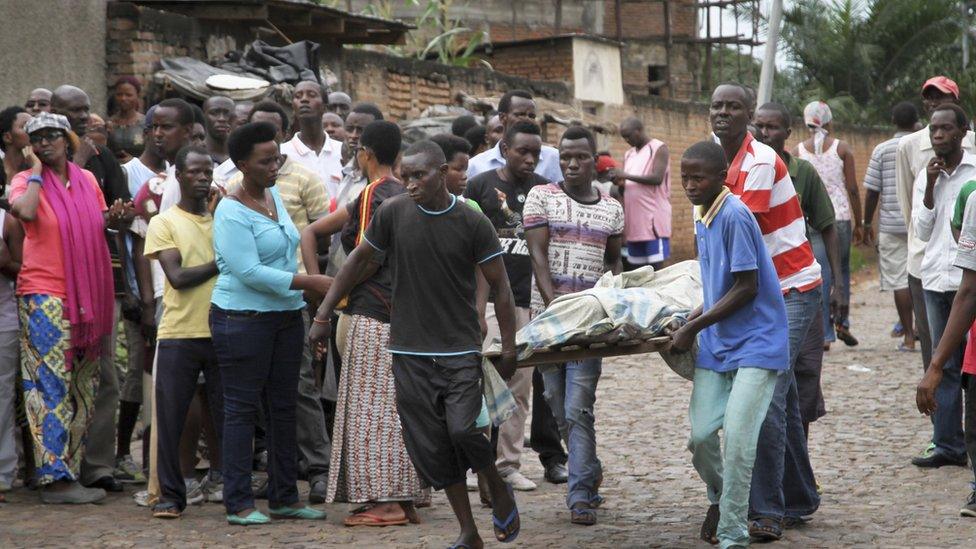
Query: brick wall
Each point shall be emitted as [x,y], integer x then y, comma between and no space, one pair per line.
[640,19]
[549,60]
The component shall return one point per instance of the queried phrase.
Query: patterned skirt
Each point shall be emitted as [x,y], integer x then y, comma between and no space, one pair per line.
[58,399]
[369,460]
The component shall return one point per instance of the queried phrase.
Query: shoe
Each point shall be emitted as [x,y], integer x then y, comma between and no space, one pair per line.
[898,330]
[316,491]
[194,492]
[259,486]
[301,513]
[844,334]
[471,481]
[109,484]
[518,481]
[261,461]
[254,519]
[557,473]
[928,450]
[213,487]
[969,510]
[937,459]
[127,472]
[166,510]
[141,498]
[76,493]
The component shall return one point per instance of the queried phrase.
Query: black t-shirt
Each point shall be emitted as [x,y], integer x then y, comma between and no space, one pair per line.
[111,179]
[508,224]
[433,256]
[372,297]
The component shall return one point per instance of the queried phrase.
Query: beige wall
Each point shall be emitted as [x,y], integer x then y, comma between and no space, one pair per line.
[596,72]
[69,48]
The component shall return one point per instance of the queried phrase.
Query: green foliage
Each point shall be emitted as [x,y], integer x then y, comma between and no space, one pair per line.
[437,34]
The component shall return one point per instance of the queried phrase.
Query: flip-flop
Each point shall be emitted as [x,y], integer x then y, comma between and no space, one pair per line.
[501,527]
[368,519]
[903,349]
[584,516]
[765,529]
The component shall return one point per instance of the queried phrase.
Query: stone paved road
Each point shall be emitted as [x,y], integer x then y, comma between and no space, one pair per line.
[872,496]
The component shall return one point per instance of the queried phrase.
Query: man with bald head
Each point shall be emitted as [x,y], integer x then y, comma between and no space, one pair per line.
[38,101]
[218,113]
[311,146]
[339,103]
[98,467]
[646,187]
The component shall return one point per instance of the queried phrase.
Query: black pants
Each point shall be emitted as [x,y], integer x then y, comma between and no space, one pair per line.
[969,418]
[544,431]
[438,400]
[178,368]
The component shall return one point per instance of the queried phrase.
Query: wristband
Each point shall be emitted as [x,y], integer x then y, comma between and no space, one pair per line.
[317,321]
[35,179]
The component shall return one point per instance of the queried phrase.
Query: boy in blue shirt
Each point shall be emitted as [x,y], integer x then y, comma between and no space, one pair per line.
[743,342]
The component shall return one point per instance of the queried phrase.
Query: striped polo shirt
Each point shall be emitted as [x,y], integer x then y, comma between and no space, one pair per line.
[760,178]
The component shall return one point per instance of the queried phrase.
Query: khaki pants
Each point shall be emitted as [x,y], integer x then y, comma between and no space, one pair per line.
[512,432]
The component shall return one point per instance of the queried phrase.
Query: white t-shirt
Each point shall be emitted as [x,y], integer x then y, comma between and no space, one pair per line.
[136,175]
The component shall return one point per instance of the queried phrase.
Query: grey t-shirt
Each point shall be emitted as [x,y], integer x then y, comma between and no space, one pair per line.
[966,254]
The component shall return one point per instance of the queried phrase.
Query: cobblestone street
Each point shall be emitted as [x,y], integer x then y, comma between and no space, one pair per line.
[872,495]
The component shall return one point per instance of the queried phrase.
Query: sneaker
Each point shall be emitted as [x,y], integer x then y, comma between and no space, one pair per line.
[127,472]
[141,498]
[76,493]
[213,487]
[194,492]
[471,481]
[518,481]
[969,510]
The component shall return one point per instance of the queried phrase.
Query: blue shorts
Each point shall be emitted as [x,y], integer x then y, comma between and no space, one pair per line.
[648,252]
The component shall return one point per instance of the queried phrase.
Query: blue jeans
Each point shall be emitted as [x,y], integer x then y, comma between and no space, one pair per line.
[820,253]
[259,356]
[571,393]
[783,483]
[735,402]
[947,419]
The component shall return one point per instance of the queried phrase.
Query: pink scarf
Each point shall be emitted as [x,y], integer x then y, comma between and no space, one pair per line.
[87,265]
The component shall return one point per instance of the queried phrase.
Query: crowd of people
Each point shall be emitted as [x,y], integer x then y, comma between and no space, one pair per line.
[251,255]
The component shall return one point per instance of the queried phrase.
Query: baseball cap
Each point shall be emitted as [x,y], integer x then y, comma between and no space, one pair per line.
[605,162]
[943,84]
[46,120]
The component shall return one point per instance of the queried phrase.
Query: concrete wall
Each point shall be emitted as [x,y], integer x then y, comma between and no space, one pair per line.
[71,48]
[596,72]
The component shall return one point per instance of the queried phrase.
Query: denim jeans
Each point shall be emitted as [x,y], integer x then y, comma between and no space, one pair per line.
[783,484]
[820,253]
[947,419]
[259,355]
[571,393]
[735,402]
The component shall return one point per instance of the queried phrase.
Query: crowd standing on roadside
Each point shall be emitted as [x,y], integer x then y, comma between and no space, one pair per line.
[251,254]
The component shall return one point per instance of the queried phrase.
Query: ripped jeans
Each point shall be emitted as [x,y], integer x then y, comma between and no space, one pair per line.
[571,393]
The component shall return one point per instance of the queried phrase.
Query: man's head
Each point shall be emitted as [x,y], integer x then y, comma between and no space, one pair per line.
[12,134]
[39,100]
[730,110]
[97,130]
[272,113]
[242,111]
[496,130]
[357,120]
[172,127]
[577,156]
[516,105]
[424,171]
[937,91]
[456,151]
[194,171]
[339,103]
[947,128]
[219,114]
[253,149]
[521,147]
[198,136]
[462,124]
[632,131]
[703,169]
[904,116]
[334,126]
[73,103]
[476,138]
[308,101]
[772,122]
[379,145]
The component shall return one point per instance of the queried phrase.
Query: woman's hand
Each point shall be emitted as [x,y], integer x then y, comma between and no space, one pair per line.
[319,334]
[32,160]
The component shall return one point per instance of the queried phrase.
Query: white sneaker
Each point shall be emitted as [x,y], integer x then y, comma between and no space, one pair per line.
[194,492]
[141,498]
[518,481]
[472,481]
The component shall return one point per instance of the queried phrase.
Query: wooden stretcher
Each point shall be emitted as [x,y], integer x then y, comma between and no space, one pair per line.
[555,355]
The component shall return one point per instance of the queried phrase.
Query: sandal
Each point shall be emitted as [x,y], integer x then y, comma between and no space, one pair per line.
[368,519]
[583,515]
[765,529]
[504,530]
[709,527]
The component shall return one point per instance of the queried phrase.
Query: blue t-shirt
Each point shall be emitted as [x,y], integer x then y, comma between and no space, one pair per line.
[757,335]
[256,258]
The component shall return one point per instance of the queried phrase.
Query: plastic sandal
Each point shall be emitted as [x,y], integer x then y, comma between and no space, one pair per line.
[501,527]
[254,519]
[301,513]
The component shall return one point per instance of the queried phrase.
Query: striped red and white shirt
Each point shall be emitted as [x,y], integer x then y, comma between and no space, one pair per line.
[760,178]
